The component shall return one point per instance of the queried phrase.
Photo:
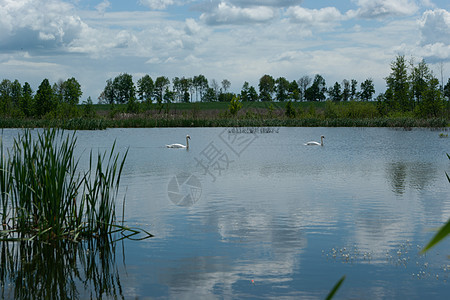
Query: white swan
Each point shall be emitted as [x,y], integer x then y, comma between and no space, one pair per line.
[316,143]
[180,145]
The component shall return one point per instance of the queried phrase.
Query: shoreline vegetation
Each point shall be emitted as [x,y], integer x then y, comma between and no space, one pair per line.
[219,114]
[414,97]
[44,196]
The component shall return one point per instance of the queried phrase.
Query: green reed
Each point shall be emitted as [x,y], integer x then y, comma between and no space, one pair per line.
[44,196]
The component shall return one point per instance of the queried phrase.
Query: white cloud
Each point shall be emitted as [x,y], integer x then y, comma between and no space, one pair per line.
[30,64]
[436,51]
[435,33]
[385,8]
[226,13]
[101,8]
[157,4]
[428,3]
[297,42]
[318,18]
[37,24]
[192,27]
[272,3]
[435,27]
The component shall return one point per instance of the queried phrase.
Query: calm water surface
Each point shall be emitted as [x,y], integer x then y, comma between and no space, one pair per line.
[261,215]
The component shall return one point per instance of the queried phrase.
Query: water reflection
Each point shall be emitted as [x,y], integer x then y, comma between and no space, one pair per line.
[397,176]
[292,218]
[415,175]
[58,270]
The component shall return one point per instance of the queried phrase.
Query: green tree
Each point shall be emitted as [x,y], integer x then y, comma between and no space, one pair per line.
[266,87]
[303,84]
[185,84]
[245,92]
[169,97]
[252,94]
[210,95]
[58,91]
[145,88]
[432,103]
[16,93]
[216,89]
[316,92]
[290,111]
[160,86]
[420,74]
[282,89]
[397,83]
[226,97]
[10,97]
[367,90]
[5,96]
[177,90]
[44,99]
[26,103]
[109,94]
[235,105]
[248,93]
[346,91]
[66,95]
[294,91]
[132,105]
[200,84]
[226,85]
[447,90]
[88,108]
[335,92]
[124,87]
[71,91]
[353,88]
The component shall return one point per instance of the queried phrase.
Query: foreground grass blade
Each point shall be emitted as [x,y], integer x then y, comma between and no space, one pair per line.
[443,232]
[335,288]
[440,235]
[448,178]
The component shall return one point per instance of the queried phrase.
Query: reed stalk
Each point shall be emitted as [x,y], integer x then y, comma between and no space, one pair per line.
[43,195]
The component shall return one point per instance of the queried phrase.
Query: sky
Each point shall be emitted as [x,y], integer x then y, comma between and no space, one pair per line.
[237,40]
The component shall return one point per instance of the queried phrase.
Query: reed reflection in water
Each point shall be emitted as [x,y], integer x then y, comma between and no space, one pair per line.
[59,270]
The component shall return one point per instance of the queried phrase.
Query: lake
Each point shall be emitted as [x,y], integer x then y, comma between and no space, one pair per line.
[255,213]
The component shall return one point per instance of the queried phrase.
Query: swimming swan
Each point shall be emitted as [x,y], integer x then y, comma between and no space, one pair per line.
[316,143]
[180,145]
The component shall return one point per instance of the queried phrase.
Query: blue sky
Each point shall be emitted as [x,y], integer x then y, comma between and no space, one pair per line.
[238,40]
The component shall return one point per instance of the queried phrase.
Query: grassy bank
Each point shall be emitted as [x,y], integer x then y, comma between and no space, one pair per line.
[217,114]
[143,122]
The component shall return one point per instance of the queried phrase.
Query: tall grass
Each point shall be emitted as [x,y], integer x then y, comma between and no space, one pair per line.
[45,196]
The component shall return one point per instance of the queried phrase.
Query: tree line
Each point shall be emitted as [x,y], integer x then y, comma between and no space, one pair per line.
[122,90]
[414,88]
[410,87]
[17,100]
